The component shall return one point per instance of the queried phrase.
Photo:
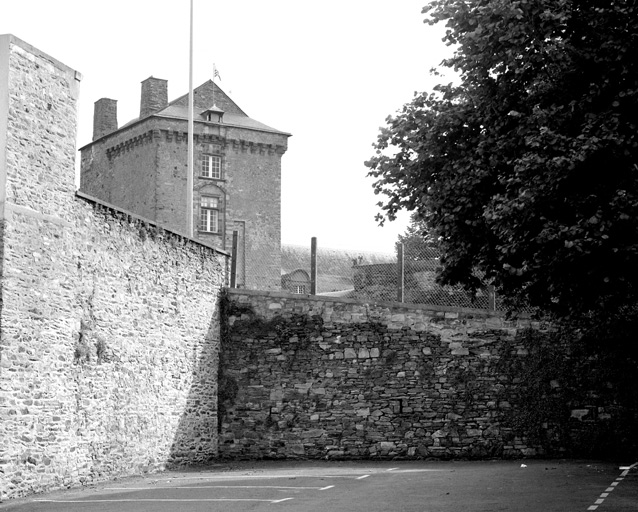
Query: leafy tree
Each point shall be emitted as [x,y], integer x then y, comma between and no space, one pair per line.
[526,170]
[418,243]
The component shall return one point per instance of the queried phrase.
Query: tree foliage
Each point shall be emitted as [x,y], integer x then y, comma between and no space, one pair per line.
[417,242]
[526,170]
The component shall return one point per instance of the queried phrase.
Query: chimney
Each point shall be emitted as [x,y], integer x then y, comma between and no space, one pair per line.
[154,96]
[104,117]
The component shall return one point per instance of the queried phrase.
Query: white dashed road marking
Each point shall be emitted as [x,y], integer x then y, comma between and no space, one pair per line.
[394,470]
[160,500]
[264,477]
[155,488]
[601,498]
[205,486]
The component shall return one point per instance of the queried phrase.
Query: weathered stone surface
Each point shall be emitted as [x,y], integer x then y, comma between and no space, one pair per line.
[386,390]
[109,341]
[349,353]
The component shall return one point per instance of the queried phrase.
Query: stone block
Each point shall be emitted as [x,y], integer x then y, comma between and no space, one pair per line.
[296,449]
[313,433]
[276,394]
[579,414]
[349,353]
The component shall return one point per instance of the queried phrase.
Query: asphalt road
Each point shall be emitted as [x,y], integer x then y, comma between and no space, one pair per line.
[521,486]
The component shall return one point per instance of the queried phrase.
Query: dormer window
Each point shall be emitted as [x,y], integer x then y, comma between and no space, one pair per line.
[213,114]
[214,117]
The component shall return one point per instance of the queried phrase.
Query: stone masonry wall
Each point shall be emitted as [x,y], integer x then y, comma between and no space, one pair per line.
[109,325]
[319,377]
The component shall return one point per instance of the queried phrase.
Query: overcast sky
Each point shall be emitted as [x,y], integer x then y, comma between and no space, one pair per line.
[327,72]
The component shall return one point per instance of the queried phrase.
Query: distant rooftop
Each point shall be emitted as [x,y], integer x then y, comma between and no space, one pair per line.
[334,266]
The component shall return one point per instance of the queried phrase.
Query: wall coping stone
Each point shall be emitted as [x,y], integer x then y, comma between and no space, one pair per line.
[139,218]
[390,304]
[39,53]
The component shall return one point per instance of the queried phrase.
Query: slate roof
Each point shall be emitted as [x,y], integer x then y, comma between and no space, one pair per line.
[178,109]
[180,112]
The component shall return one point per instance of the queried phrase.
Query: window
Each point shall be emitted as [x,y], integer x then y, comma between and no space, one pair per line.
[209,214]
[299,289]
[212,167]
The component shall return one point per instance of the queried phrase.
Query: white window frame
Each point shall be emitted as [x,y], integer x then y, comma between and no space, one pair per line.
[209,214]
[299,289]
[211,167]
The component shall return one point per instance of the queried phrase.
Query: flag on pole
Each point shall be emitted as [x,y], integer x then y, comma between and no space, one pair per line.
[216,73]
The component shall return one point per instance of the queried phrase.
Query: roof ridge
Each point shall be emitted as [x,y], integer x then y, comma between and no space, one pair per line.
[180,98]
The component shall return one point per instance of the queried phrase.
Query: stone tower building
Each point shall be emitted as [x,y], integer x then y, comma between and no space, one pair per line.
[142,167]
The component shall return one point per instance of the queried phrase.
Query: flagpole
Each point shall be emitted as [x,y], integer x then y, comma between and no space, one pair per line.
[189,176]
[214,73]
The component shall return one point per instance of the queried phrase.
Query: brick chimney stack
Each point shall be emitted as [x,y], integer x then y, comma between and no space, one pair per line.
[154,96]
[104,117]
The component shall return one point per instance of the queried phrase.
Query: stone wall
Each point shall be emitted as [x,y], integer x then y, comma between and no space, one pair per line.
[319,377]
[108,324]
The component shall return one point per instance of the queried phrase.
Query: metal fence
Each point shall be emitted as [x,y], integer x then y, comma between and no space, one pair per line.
[407,276]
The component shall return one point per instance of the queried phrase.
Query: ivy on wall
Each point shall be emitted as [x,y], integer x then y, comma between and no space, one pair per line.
[569,398]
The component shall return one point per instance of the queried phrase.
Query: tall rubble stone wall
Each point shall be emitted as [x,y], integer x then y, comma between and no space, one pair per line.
[319,377]
[108,324]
